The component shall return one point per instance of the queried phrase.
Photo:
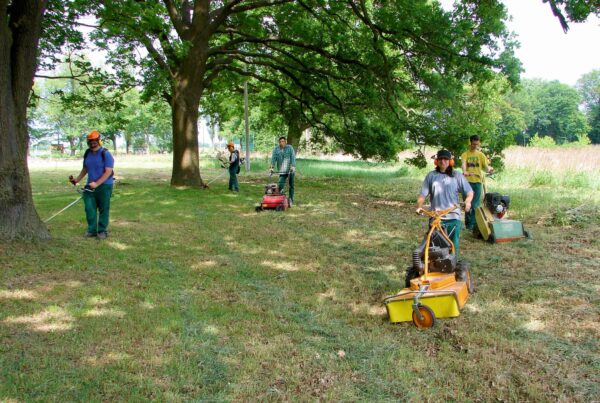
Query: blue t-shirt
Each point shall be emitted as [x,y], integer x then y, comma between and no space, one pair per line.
[443,191]
[95,165]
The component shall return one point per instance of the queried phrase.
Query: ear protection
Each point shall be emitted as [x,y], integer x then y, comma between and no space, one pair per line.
[435,162]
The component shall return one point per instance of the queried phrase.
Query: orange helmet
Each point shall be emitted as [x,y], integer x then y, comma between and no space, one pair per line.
[94,135]
[230,144]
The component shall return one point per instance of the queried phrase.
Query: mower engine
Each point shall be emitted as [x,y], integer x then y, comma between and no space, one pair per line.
[497,203]
[271,189]
[441,259]
[273,199]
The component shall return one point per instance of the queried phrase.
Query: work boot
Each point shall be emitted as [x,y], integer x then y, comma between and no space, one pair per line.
[90,235]
[102,235]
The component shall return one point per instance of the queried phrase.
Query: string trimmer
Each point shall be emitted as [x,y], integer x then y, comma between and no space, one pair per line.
[81,191]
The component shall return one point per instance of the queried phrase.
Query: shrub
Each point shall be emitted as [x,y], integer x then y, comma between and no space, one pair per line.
[542,142]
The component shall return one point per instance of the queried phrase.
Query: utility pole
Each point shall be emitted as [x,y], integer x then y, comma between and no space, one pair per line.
[246,124]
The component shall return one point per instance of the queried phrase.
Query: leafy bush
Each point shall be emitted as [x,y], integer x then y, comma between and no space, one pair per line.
[542,142]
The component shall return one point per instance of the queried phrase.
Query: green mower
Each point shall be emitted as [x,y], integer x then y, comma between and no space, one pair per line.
[492,222]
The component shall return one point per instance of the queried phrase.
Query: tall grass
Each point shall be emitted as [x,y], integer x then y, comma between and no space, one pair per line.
[557,160]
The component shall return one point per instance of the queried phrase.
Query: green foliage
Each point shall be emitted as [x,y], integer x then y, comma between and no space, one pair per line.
[484,109]
[542,142]
[419,160]
[551,109]
[366,76]
[589,88]
[573,10]
[67,109]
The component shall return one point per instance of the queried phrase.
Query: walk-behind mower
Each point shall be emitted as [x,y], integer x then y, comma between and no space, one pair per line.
[273,199]
[437,285]
[491,219]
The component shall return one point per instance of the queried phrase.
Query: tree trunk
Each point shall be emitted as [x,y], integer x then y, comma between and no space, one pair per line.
[19,39]
[186,158]
[72,146]
[296,126]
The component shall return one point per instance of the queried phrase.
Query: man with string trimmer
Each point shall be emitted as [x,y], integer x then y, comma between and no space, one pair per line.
[98,165]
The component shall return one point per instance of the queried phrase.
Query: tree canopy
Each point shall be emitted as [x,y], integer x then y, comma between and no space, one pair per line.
[589,88]
[573,10]
[359,71]
[551,109]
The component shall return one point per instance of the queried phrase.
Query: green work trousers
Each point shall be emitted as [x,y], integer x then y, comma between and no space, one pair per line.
[452,228]
[96,202]
[281,184]
[233,180]
[470,222]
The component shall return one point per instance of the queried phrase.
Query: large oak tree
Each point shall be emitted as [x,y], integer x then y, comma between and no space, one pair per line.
[20,27]
[321,55]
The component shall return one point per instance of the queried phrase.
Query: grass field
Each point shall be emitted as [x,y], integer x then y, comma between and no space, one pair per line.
[194,296]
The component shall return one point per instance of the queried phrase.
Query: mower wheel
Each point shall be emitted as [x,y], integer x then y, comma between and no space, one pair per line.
[477,233]
[279,208]
[428,317]
[492,238]
[463,273]
[258,209]
[469,281]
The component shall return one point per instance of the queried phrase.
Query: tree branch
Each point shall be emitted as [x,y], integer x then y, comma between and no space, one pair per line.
[158,58]
[246,38]
[183,30]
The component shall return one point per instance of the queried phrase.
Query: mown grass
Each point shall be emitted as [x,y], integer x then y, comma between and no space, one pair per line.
[194,296]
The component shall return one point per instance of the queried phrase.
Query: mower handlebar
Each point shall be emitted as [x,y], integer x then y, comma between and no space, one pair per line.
[436,213]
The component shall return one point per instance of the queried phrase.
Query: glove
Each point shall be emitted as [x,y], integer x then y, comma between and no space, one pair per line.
[271,170]
[292,170]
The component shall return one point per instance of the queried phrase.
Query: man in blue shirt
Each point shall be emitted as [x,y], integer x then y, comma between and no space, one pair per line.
[284,159]
[98,165]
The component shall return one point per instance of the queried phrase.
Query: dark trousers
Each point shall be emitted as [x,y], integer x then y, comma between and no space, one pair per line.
[233,181]
[96,202]
[470,221]
[282,179]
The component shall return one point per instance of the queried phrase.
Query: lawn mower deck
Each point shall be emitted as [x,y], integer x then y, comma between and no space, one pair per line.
[440,292]
[273,199]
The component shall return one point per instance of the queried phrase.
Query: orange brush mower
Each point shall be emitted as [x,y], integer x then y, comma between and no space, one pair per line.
[437,286]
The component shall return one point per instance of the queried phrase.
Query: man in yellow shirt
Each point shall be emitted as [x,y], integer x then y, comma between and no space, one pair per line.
[474,165]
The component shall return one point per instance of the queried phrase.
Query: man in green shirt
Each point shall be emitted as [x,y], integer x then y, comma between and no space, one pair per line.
[474,166]
[284,160]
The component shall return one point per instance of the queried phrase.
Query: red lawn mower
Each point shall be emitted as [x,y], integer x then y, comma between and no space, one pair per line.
[273,199]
